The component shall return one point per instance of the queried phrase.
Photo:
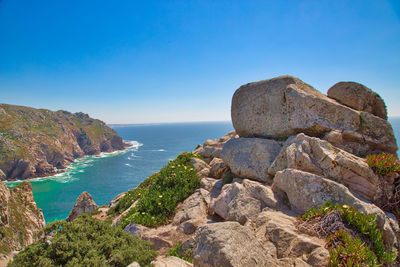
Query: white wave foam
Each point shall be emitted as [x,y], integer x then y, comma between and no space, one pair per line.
[127,164]
[81,163]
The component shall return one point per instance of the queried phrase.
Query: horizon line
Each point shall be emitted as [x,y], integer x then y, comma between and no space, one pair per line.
[169,122]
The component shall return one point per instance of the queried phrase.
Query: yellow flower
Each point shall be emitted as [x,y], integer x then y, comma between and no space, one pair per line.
[159,204]
[143,213]
[160,196]
[345,206]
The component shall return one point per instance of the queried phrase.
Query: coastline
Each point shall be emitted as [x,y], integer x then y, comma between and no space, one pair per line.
[77,161]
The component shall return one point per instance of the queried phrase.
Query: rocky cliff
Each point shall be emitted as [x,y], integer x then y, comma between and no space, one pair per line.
[289,187]
[294,149]
[39,142]
[20,218]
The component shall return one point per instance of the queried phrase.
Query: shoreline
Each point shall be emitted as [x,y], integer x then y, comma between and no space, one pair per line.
[60,172]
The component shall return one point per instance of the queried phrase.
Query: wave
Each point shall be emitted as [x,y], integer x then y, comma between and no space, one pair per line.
[77,167]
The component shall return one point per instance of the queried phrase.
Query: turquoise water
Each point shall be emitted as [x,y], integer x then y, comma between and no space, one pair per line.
[106,175]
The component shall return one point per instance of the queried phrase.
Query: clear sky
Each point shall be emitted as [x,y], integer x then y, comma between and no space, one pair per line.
[169,61]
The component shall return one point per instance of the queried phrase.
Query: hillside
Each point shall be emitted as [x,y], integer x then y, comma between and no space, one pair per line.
[20,218]
[305,179]
[40,142]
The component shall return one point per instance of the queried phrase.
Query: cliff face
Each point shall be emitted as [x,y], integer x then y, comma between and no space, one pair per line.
[37,142]
[20,218]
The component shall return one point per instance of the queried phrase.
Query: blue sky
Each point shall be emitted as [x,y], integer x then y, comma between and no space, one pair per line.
[169,61]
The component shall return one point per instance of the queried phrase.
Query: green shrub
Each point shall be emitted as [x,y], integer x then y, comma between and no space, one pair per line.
[187,254]
[348,251]
[85,242]
[365,224]
[227,179]
[158,196]
[383,163]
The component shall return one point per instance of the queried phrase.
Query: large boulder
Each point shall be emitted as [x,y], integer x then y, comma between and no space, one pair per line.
[306,190]
[229,244]
[250,157]
[317,156]
[212,148]
[84,204]
[171,261]
[284,106]
[242,202]
[358,97]
[280,229]
[218,168]
[191,213]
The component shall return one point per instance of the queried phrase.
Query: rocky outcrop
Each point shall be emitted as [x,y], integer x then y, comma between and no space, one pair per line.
[278,231]
[242,201]
[229,244]
[212,148]
[39,142]
[358,97]
[84,204]
[284,106]
[305,190]
[171,262]
[297,149]
[20,218]
[250,157]
[191,213]
[317,156]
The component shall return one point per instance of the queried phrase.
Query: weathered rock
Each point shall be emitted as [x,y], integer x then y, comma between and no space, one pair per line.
[358,97]
[135,229]
[218,168]
[116,199]
[171,261]
[198,164]
[242,202]
[279,228]
[23,169]
[84,204]
[229,244]
[292,262]
[317,156]
[117,220]
[204,173]
[193,212]
[134,264]
[2,175]
[284,106]
[20,218]
[213,147]
[319,257]
[250,157]
[305,190]
[158,242]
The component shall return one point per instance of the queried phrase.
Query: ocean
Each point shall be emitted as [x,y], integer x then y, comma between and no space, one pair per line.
[105,176]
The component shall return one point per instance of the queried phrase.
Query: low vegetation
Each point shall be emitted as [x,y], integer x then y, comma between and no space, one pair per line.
[354,239]
[85,242]
[383,163]
[157,197]
[186,255]
[388,166]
